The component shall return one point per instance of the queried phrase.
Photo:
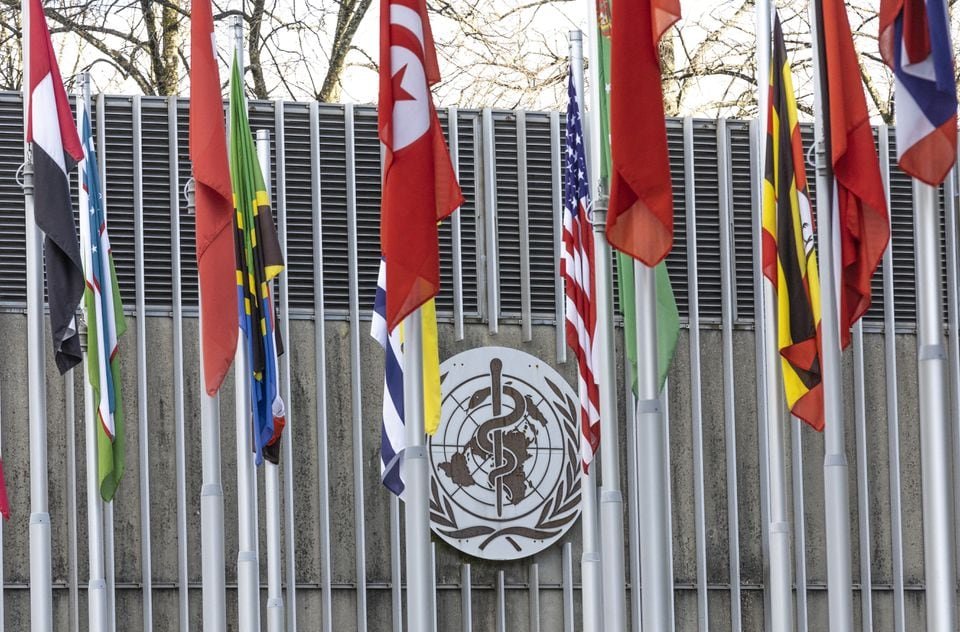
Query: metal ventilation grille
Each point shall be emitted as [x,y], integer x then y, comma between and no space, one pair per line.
[299,185]
[188,223]
[540,203]
[158,287]
[333,209]
[706,182]
[508,212]
[13,281]
[742,212]
[367,143]
[118,155]
[677,259]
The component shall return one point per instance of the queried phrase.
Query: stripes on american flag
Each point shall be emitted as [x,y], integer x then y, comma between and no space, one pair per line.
[392,437]
[576,268]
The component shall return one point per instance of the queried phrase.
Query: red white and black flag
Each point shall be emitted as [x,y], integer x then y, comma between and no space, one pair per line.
[56,151]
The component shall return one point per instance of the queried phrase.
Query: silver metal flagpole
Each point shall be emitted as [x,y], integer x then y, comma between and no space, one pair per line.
[248,565]
[935,433]
[97,587]
[612,565]
[590,563]
[275,610]
[41,574]
[416,476]
[211,493]
[835,479]
[778,526]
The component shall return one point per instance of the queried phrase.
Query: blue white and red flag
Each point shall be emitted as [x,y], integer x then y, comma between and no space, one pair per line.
[915,43]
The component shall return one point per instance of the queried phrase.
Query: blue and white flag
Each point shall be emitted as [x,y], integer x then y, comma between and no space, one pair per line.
[392,437]
[915,43]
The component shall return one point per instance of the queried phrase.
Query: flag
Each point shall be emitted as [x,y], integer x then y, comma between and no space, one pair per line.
[392,437]
[104,314]
[214,201]
[789,258]
[668,316]
[640,218]
[864,227]
[915,43]
[258,261]
[577,270]
[419,185]
[56,150]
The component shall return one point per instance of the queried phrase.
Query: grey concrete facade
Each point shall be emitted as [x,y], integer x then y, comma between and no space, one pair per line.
[302,425]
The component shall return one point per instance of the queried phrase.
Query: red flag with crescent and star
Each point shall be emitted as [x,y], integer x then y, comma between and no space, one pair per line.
[419,184]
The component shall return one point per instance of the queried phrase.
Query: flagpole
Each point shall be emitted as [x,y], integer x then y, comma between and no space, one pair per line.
[780,585]
[248,564]
[935,433]
[97,587]
[612,586]
[211,492]
[835,478]
[590,565]
[275,608]
[41,574]
[416,478]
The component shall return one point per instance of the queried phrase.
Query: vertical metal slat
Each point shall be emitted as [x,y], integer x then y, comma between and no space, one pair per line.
[799,524]
[466,598]
[456,236]
[863,479]
[534,589]
[492,258]
[567,561]
[70,425]
[523,198]
[355,370]
[556,160]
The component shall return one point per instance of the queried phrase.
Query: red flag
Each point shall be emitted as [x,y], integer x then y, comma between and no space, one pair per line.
[861,203]
[216,257]
[640,219]
[419,184]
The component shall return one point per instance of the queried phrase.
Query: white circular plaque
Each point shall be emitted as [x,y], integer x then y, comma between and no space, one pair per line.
[504,464]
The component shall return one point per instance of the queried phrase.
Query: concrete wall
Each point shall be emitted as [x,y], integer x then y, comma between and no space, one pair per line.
[159,429]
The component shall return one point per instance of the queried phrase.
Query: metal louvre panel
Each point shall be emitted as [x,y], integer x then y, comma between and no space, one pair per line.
[188,221]
[296,130]
[543,267]
[508,212]
[741,193]
[118,139]
[708,219]
[158,290]
[901,234]
[333,187]
[13,256]
[677,259]
[468,128]
[367,148]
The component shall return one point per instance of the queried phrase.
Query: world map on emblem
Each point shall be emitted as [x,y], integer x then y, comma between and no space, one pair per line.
[504,463]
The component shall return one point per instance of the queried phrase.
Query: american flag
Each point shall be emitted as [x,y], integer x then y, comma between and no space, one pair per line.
[576,268]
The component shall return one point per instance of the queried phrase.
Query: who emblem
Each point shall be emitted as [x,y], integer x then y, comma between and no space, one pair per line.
[505,470]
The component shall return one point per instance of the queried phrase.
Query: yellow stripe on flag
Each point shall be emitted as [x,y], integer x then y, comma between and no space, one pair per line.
[431,368]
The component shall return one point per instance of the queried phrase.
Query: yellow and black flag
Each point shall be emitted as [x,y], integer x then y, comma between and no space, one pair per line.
[789,257]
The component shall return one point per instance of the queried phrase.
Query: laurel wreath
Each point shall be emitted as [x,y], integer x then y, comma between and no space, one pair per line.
[557,512]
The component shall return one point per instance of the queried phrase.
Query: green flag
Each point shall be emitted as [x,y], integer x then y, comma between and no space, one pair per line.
[103,312]
[668,318]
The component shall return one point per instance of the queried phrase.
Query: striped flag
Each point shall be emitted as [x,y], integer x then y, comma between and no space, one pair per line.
[104,314]
[789,258]
[577,270]
[392,437]
[52,133]
[915,43]
[259,260]
[860,203]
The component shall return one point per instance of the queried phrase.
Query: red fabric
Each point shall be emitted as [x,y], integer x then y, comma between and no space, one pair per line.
[4,503]
[640,218]
[862,206]
[419,184]
[216,256]
[43,62]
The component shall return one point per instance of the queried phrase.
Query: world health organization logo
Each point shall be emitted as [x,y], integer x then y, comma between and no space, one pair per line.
[505,470]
